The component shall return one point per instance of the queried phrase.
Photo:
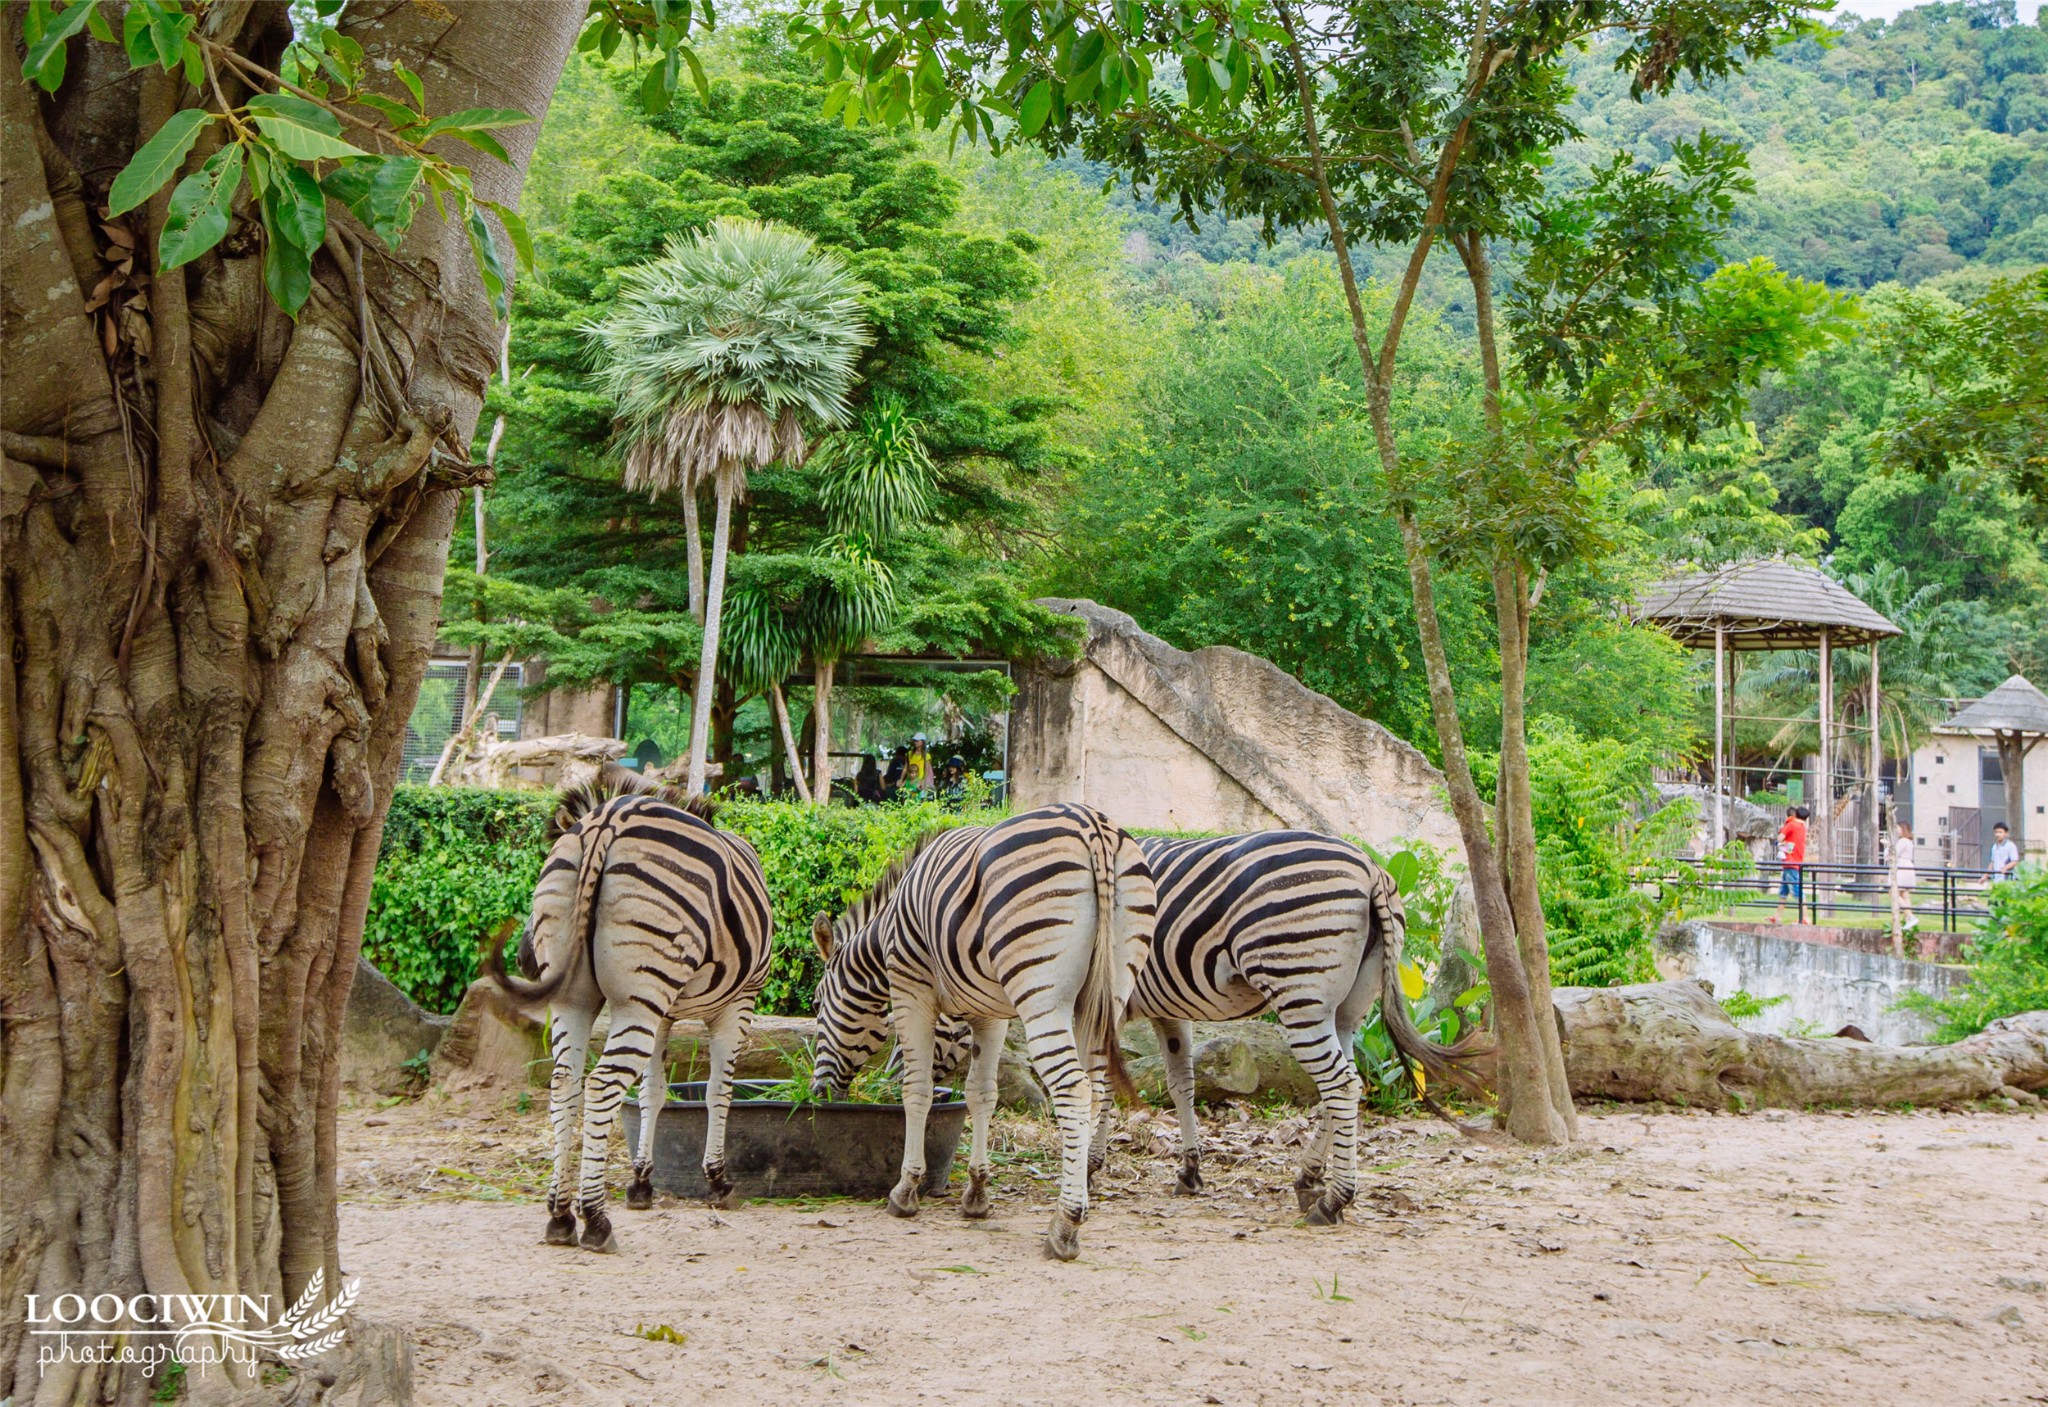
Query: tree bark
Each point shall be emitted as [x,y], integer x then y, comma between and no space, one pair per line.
[821,738]
[693,552]
[222,540]
[707,662]
[796,766]
[1670,1041]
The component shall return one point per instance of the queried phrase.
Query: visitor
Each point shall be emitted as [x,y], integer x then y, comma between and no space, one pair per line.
[953,782]
[867,783]
[1791,863]
[1905,874]
[2005,854]
[917,769]
[892,780]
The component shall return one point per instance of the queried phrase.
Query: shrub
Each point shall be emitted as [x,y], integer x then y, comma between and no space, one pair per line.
[2008,965]
[456,863]
[1600,842]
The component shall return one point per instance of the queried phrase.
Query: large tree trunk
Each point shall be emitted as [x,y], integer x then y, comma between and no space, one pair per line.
[221,556]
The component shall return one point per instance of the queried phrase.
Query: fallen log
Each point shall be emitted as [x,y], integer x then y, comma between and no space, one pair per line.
[1671,1042]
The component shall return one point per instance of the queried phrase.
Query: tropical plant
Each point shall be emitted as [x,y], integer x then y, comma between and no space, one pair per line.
[723,356]
[2008,964]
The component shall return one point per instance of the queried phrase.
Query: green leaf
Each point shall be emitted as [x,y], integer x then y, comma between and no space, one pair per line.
[1083,84]
[287,270]
[46,56]
[657,89]
[696,72]
[157,161]
[522,241]
[97,22]
[136,38]
[474,119]
[303,143]
[295,207]
[199,209]
[167,32]
[1037,105]
[412,84]
[398,114]
[295,110]
[382,192]
[487,264]
[482,141]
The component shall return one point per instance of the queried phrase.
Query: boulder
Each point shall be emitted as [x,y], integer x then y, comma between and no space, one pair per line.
[1246,1059]
[490,1044]
[1671,1042]
[383,1029]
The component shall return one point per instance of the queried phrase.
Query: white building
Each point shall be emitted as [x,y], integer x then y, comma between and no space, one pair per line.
[1957,789]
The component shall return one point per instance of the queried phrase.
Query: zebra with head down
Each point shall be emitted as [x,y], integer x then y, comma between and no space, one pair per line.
[645,906]
[1044,916]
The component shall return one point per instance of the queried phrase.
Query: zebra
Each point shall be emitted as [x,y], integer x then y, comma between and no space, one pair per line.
[1303,925]
[644,905]
[1044,916]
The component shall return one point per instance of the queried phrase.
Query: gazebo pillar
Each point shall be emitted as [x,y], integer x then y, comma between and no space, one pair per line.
[1720,837]
[1824,808]
[1876,760]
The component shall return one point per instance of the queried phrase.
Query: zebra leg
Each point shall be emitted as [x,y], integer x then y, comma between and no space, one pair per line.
[914,1024]
[1098,1144]
[1177,1054]
[1315,1156]
[1057,1058]
[626,1053]
[1329,1064]
[569,1035]
[726,1029]
[653,1095]
[981,1108]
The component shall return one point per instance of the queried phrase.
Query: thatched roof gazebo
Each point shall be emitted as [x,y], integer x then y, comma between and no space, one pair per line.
[1771,604]
[2015,716]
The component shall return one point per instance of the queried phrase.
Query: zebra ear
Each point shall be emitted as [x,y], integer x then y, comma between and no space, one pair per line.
[821,934]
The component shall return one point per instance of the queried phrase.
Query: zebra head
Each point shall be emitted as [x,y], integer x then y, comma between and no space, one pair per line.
[853,1004]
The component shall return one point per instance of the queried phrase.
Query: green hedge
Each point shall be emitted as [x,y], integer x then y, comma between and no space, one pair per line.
[456,863]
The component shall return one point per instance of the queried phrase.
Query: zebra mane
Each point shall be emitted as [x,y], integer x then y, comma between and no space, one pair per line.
[863,909]
[585,797]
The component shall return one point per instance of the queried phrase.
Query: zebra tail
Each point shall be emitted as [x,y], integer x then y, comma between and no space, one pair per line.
[1462,1064]
[527,994]
[1099,1011]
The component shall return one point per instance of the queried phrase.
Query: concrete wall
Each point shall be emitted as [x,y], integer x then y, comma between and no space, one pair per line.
[1947,772]
[592,712]
[1213,739]
[1830,985]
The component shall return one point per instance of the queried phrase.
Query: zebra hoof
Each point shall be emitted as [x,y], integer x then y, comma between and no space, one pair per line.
[720,1186]
[1063,1237]
[1308,1190]
[903,1199]
[1187,1182]
[597,1234]
[640,1195]
[974,1202]
[561,1230]
[1326,1212]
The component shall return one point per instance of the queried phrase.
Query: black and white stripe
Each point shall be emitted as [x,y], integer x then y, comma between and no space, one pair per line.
[645,907]
[1305,926]
[1046,917]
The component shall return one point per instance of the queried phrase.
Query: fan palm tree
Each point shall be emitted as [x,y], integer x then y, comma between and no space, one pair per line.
[763,647]
[852,604]
[723,356]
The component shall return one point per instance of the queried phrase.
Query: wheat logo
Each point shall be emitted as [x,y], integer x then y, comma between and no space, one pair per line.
[190,1329]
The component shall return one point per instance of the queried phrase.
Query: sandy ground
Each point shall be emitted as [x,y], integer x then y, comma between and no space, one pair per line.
[1667,1258]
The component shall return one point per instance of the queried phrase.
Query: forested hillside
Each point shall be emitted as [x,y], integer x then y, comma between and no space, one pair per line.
[1169,418]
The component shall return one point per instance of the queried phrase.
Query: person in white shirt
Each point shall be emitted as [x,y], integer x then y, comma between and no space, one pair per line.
[2005,855]
[1904,875]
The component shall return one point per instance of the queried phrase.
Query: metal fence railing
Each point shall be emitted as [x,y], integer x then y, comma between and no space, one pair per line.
[1951,896]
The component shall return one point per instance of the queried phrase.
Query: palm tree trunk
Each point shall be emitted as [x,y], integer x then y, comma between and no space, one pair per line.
[796,766]
[821,740]
[694,551]
[707,662]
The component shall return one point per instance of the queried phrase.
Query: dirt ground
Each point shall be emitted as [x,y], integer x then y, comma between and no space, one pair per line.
[1667,1258]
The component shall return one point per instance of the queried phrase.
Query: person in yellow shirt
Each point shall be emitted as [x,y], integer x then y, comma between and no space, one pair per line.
[917,770]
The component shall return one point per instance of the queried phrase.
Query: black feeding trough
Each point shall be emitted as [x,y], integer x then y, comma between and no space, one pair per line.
[778,1148]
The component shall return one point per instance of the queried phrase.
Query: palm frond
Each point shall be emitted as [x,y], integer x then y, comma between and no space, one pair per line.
[876,477]
[726,352]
